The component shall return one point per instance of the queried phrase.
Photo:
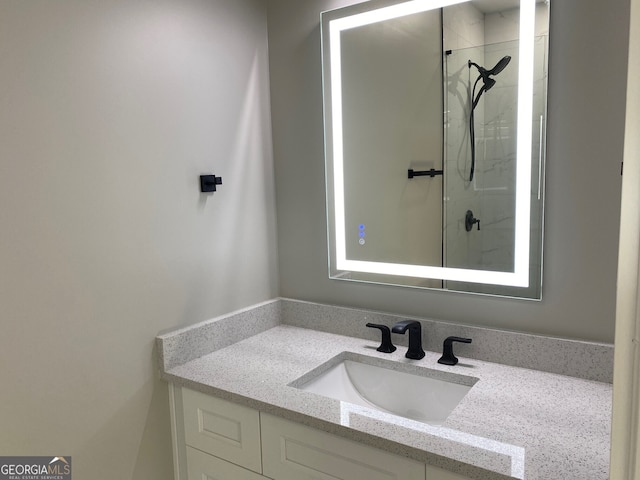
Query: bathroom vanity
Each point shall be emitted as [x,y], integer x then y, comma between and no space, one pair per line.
[224,440]
[238,411]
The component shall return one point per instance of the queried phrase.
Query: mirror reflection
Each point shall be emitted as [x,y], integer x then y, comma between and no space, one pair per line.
[431,181]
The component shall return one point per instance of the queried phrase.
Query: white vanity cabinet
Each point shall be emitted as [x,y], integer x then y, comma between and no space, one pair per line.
[296,452]
[222,428]
[434,473]
[201,466]
[215,439]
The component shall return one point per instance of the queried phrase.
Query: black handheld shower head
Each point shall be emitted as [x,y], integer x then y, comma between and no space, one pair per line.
[488,83]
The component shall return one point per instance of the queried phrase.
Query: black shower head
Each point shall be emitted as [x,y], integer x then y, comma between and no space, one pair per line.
[485,74]
[504,61]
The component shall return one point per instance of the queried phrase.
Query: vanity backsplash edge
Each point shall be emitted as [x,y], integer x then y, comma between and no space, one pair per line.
[575,358]
[180,346]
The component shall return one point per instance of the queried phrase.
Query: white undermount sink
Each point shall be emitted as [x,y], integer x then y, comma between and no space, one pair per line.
[414,395]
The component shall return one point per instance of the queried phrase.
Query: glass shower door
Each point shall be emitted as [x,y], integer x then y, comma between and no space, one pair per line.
[489,195]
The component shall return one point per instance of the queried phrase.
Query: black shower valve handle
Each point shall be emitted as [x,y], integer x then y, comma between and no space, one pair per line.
[470,221]
[385,346]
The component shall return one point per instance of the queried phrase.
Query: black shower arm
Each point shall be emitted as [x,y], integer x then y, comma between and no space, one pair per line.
[480,69]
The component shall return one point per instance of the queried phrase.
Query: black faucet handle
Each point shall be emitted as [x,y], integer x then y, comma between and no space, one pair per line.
[448,358]
[386,346]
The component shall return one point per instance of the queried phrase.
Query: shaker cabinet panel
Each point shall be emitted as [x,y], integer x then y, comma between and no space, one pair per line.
[295,452]
[201,466]
[223,429]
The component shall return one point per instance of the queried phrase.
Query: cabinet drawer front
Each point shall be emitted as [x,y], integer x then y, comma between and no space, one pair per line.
[295,452]
[223,429]
[434,473]
[201,466]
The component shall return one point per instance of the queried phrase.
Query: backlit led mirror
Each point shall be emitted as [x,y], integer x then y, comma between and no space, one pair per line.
[435,115]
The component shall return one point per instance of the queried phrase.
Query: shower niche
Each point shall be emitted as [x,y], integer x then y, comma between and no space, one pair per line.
[434,135]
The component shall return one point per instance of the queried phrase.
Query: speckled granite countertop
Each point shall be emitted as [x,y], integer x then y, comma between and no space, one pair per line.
[513,423]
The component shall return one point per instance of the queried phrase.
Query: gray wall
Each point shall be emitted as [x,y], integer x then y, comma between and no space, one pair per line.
[109,112]
[589,45]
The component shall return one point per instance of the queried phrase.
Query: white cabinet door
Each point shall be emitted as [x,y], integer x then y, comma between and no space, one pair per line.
[434,473]
[201,466]
[223,429]
[295,452]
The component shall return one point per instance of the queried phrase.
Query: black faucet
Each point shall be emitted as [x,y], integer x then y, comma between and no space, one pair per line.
[415,337]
